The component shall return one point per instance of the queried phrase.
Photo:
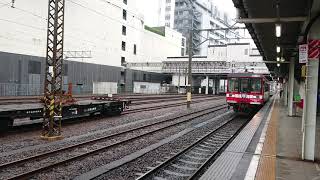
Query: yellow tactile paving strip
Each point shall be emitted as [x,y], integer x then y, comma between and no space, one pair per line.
[267,164]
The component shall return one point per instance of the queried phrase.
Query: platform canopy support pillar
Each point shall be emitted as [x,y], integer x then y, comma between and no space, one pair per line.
[290,87]
[217,86]
[214,86]
[207,84]
[285,92]
[309,126]
[53,74]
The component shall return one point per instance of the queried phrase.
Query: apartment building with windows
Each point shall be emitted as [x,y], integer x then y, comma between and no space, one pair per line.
[176,14]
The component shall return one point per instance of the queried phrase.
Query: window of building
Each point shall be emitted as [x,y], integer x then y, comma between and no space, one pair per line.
[144,77]
[167,24]
[246,52]
[143,86]
[183,42]
[124,14]
[124,30]
[182,51]
[167,17]
[134,49]
[123,46]
[34,67]
[125,1]
[123,61]
[168,1]
[168,8]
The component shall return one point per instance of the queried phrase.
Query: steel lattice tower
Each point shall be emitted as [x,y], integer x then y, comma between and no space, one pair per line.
[53,74]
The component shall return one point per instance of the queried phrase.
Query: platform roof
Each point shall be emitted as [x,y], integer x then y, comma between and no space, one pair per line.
[263,34]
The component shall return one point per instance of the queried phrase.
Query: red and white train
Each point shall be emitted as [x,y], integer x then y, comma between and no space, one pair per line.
[247,91]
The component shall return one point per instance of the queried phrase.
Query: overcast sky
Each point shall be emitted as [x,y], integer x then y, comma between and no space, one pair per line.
[227,6]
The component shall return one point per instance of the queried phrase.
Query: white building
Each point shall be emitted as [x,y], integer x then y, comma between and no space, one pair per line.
[113,31]
[174,14]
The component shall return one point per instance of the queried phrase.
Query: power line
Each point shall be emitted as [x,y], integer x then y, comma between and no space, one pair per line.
[5,4]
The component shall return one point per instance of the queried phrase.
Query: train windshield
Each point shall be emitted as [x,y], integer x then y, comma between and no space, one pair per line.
[233,85]
[244,85]
[256,85]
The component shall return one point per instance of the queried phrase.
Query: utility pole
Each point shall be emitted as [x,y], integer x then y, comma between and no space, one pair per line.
[53,76]
[179,81]
[189,91]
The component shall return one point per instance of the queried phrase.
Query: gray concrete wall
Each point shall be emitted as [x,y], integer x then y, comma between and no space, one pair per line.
[24,75]
[142,76]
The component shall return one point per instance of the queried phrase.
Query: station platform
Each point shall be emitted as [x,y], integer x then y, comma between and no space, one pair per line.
[269,147]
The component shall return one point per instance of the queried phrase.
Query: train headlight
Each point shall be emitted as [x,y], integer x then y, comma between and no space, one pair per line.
[227,95]
[260,97]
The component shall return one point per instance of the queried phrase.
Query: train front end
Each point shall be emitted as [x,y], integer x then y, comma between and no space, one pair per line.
[246,92]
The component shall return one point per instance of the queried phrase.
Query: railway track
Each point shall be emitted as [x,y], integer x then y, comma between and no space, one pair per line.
[198,100]
[191,161]
[34,124]
[139,102]
[75,152]
[139,99]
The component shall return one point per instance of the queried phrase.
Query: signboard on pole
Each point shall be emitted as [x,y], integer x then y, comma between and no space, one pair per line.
[314,49]
[303,53]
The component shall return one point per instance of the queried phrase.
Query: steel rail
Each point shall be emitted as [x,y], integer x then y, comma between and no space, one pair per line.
[26,127]
[164,164]
[47,154]
[199,100]
[168,100]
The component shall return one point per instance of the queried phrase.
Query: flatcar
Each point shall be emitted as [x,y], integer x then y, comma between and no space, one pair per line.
[247,91]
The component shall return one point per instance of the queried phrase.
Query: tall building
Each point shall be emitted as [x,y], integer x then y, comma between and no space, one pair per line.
[176,14]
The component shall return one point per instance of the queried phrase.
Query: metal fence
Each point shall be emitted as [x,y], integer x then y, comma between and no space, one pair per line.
[13,89]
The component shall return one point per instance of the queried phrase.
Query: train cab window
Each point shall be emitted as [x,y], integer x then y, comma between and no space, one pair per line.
[244,85]
[255,85]
[233,85]
[266,87]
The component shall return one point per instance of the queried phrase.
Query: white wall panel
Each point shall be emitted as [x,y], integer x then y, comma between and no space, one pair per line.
[90,25]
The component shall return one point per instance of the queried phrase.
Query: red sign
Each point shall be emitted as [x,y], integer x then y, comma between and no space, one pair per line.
[314,48]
